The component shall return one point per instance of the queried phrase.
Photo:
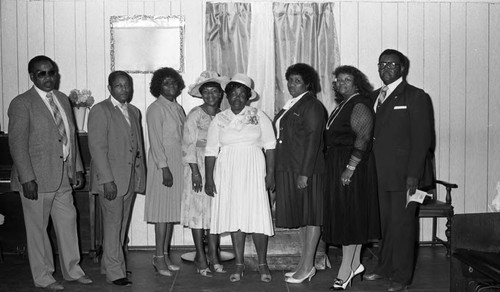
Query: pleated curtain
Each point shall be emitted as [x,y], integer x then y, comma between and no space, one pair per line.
[261,39]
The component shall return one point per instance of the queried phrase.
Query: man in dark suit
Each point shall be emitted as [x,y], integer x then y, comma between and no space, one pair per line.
[43,145]
[117,169]
[402,141]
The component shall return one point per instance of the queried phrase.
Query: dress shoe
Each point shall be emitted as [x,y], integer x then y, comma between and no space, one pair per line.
[289,274]
[160,266]
[265,274]
[169,263]
[395,286]
[54,287]
[85,280]
[372,277]
[342,284]
[238,274]
[122,282]
[309,276]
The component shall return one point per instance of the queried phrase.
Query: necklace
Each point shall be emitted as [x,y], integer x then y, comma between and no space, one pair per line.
[337,110]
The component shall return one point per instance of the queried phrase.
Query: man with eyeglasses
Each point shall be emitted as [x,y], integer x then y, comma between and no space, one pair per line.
[403,141]
[47,166]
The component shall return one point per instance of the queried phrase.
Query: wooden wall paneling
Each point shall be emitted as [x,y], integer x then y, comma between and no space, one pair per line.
[138,227]
[81,73]
[22,44]
[442,111]
[476,117]
[97,69]
[389,26]
[65,48]
[430,76]
[35,21]
[370,37]
[348,31]
[494,102]
[9,69]
[402,25]
[49,30]
[457,105]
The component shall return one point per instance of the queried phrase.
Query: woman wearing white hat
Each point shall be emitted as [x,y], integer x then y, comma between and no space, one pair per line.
[236,138]
[196,205]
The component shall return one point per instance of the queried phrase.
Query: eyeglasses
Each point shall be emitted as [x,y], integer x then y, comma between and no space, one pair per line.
[388,65]
[345,80]
[43,74]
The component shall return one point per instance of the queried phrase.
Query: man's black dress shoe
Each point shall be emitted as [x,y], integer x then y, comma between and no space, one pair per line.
[395,286]
[372,277]
[122,282]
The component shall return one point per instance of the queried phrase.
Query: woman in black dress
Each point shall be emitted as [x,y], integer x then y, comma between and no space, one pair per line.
[300,165]
[351,205]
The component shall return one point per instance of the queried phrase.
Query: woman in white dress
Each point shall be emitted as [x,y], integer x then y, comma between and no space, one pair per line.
[242,175]
[196,205]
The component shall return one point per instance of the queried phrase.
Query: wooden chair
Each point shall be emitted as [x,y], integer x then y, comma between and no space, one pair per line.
[433,208]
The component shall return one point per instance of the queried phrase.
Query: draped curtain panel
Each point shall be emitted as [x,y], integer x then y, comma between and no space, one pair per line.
[262,39]
[305,33]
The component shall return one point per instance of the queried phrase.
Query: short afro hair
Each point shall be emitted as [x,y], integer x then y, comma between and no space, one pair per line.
[308,74]
[160,75]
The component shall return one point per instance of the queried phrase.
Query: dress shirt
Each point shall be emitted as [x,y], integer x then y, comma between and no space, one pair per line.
[391,88]
[122,108]
[43,95]
[286,107]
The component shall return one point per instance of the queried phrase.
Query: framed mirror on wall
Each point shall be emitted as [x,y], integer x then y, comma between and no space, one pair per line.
[142,43]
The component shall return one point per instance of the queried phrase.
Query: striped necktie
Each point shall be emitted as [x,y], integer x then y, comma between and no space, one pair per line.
[57,117]
[124,107]
[382,95]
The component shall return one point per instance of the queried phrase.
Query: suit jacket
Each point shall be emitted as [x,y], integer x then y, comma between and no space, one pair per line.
[404,138]
[36,145]
[117,149]
[299,148]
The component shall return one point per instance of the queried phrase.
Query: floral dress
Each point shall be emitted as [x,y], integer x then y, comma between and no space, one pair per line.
[195,207]
[241,201]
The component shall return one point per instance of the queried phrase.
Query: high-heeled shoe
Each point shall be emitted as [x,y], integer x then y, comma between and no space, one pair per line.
[170,266]
[342,284]
[163,272]
[206,272]
[265,274]
[235,277]
[359,270]
[293,280]
[218,268]
[289,274]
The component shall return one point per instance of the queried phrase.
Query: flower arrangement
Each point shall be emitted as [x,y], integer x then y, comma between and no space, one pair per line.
[81,98]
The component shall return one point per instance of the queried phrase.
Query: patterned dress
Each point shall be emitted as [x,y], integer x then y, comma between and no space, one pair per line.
[165,121]
[241,201]
[195,207]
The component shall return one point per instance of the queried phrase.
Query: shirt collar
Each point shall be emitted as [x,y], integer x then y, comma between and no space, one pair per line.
[393,85]
[42,93]
[115,102]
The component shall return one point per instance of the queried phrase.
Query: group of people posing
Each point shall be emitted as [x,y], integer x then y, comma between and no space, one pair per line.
[343,177]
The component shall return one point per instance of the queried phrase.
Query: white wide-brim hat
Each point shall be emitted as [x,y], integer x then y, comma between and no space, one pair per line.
[206,77]
[245,80]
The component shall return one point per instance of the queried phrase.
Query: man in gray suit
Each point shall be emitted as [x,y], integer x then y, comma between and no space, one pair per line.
[47,163]
[117,169]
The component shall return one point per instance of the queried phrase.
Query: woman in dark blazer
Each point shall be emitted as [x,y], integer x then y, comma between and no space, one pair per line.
[300,165]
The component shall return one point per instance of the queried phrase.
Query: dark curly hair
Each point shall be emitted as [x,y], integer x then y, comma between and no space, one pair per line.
[308,74]
[160,75]
[360,80]
[211,84]
[234,85]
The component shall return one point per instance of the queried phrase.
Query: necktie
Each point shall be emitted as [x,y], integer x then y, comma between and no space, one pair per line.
[382,95]
[124,107]
[57,118]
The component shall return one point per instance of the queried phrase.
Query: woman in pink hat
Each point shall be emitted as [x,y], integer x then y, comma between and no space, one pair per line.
[196,205]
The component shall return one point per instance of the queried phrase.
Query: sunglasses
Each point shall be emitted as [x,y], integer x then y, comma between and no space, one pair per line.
[43,74]
[388,65]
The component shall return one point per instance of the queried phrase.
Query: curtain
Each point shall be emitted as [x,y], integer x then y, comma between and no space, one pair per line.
[261,39]
[305,33]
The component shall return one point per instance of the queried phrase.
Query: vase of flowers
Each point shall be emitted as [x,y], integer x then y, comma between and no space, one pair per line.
[81,100]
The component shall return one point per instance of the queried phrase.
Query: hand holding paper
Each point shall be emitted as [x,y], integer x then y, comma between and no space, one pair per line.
[418,197]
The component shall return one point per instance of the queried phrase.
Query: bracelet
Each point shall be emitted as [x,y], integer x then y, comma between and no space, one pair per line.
[350,167]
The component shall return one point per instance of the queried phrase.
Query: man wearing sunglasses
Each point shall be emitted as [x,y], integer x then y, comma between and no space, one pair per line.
[403,142]
[47,166]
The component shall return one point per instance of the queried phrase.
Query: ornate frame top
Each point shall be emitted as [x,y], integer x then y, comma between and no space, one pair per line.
[143,43]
